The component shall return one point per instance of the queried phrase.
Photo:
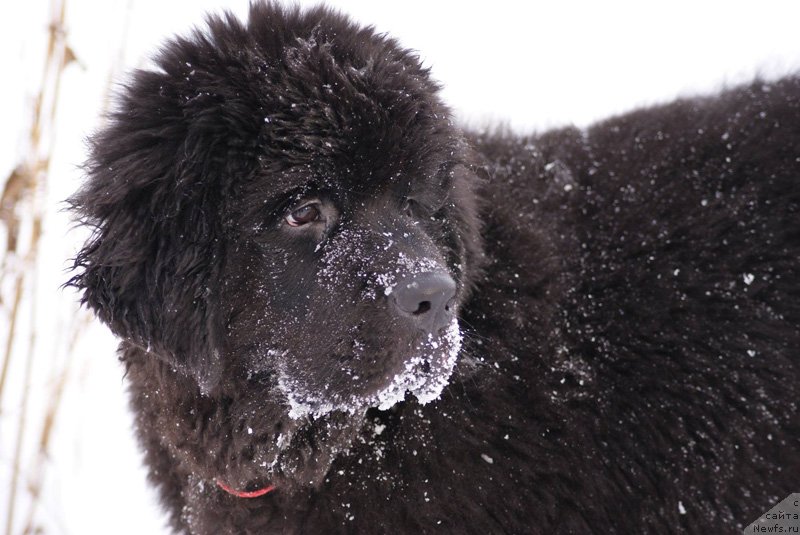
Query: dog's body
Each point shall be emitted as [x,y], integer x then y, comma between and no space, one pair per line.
[629,297]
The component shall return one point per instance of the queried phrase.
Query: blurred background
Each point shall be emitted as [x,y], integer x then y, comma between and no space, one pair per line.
[68,460]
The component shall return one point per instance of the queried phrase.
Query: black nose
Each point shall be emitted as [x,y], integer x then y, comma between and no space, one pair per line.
[426,298]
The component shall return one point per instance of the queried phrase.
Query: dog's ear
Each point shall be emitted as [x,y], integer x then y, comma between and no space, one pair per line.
[154,199]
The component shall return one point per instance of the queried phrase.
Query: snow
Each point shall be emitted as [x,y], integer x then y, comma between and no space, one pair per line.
[425,385]
[540,65]
[360,246]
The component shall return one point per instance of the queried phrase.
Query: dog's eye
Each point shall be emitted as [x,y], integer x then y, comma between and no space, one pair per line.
[303,215]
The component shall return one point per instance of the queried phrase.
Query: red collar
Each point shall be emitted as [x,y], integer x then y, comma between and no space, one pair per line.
[245,494]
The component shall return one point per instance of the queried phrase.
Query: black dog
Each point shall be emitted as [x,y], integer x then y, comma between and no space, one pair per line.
[341,313]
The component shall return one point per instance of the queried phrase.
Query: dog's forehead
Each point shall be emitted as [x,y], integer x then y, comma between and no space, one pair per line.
[364,121]
[348,181]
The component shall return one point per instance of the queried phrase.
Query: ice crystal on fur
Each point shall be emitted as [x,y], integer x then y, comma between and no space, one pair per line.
[424,376]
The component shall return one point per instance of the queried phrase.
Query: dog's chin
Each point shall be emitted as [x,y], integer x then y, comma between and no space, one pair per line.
[424,375]
[315,430]
[310,427]
[309,447]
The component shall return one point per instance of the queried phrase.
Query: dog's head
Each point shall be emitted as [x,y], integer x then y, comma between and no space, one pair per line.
[284,203]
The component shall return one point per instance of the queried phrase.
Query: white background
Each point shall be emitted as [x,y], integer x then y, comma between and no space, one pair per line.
[525,65]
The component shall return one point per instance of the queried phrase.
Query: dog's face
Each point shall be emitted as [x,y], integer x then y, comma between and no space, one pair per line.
[345,292]
[285,213]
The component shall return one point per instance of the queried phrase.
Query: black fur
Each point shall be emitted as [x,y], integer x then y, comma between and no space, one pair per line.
[629,295]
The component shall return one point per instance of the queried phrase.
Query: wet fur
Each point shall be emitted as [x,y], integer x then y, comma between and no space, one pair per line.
[629,295]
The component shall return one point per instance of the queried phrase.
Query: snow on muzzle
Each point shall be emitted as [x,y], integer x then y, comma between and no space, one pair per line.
[424,375]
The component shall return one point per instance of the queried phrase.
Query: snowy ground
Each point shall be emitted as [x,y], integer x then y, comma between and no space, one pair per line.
[529,67]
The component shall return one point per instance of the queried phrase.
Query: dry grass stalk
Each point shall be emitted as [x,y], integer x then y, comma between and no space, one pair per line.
[23,194]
